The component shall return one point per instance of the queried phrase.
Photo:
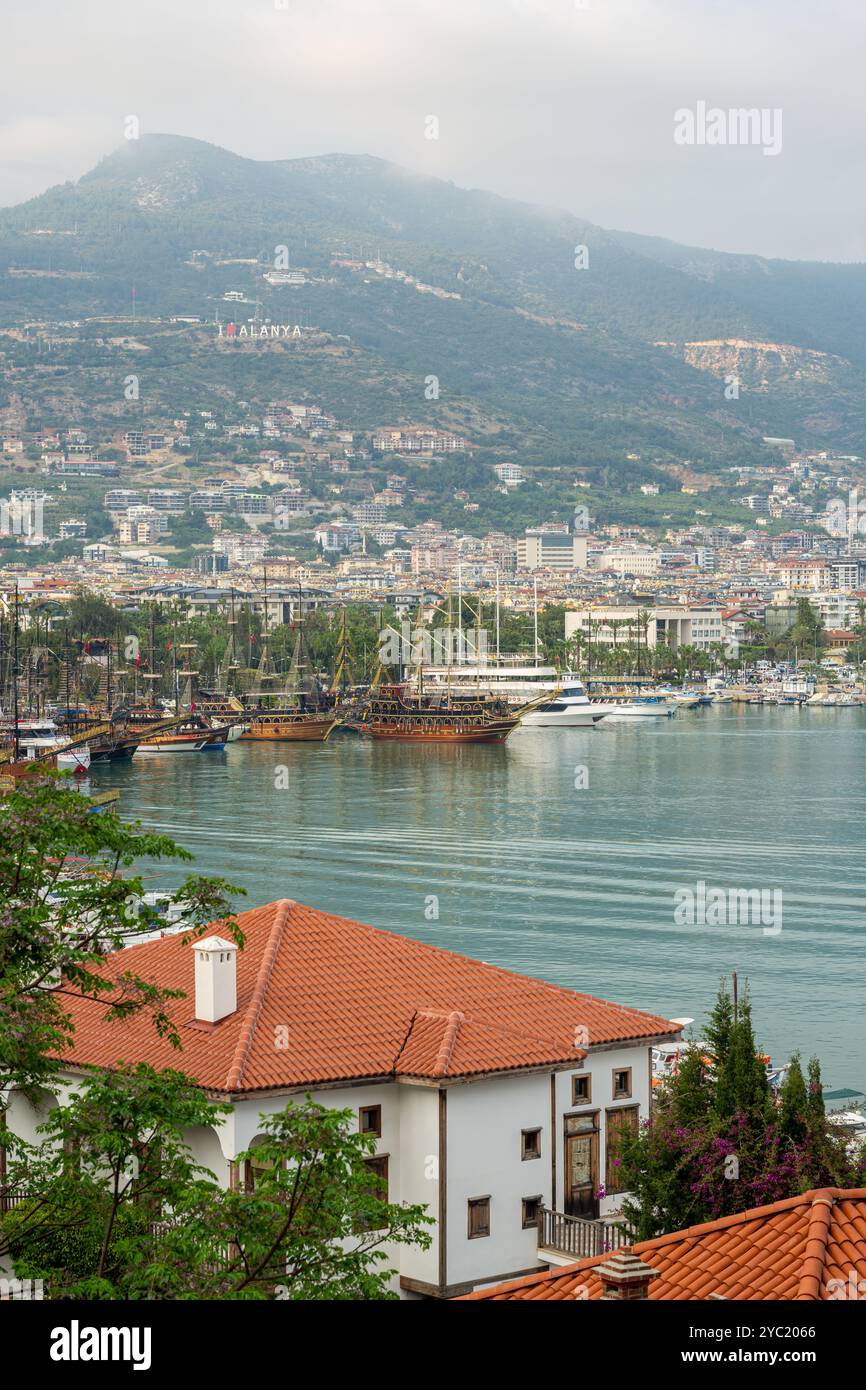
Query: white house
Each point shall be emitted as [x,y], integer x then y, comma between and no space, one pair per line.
[490,1094]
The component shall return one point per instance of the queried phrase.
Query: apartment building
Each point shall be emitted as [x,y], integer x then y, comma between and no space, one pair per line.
[540,548]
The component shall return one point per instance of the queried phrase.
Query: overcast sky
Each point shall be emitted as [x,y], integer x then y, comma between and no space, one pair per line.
[563,102]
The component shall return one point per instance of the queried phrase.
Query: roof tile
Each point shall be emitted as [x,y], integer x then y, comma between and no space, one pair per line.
[788,1250]
[321,998]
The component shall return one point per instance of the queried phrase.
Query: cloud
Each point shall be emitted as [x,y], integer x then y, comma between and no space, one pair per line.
[545,100]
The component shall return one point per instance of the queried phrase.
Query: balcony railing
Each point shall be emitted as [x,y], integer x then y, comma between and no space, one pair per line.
[578,1237]
[10,1200]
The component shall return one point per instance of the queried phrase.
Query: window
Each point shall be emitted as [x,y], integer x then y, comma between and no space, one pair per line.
[479,1217]
[621,1083]
[581,1090]
[530,1143]
[618,1123]
[378,1169]
[529,1209]
[370,1120]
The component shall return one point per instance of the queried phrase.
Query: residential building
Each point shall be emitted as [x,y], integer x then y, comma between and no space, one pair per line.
[417,441]
[489,1094]
[676,625]
[337,536]
[510,474]
[630,559]
[540,548]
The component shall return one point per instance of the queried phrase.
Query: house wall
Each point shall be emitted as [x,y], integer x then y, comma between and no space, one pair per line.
[600,1066]
[485,1119]
[410,1138]
[483,1124]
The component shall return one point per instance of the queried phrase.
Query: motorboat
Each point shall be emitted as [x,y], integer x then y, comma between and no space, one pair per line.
[569,708]
[620,707]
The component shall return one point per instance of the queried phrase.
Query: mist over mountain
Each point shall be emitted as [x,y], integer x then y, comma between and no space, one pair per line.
[544,331]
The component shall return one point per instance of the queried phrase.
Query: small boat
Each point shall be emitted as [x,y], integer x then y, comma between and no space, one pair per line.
[192,735]
[74,760]
[568,708]
[616,707]
[681,699]
[852,1124]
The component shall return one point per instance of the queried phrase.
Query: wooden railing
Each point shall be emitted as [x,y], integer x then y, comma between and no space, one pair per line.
[9,1200]
[578,1237]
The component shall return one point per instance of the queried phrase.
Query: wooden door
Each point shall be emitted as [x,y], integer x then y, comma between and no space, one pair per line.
[581,1165]
[623,1120]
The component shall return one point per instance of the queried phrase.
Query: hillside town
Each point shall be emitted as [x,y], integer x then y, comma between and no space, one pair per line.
[307,508]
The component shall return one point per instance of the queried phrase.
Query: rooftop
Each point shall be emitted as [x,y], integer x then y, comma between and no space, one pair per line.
[321,999]
[788,1250]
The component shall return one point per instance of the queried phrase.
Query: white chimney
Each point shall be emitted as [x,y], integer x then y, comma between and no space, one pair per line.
[216,979]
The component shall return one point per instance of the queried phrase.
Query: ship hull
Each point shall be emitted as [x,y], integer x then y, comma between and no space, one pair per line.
[304,729]
[188,744]
[492,733]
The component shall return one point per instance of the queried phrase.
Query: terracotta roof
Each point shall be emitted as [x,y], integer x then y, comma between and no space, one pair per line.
[321,999]
[788,1250]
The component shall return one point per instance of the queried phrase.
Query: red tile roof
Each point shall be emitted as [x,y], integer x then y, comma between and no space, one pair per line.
[789,1250]
[322,999]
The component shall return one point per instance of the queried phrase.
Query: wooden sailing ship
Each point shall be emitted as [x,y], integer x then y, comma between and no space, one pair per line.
[396,713]
[301,712]
[402,711]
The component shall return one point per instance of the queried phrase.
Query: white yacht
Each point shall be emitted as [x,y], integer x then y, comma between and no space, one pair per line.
[681,699]
[569,708]
[40,736]
[616,707]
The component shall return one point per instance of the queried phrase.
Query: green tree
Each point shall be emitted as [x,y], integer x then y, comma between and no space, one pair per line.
[313,1226]
[67,898]
[118,1209]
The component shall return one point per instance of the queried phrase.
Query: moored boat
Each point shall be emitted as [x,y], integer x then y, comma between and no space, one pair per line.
[287,725]
[74,760]
[632,707]
[392,712]
[192,735]
[568,708]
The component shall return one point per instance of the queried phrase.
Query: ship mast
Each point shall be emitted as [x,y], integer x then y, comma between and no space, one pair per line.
[343,673]
[15,676]
[264,668]
[535,615]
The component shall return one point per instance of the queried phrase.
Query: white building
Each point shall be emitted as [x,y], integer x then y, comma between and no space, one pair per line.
[540,548]
[509,473]
[489,1094]
[629,559]
[676,625]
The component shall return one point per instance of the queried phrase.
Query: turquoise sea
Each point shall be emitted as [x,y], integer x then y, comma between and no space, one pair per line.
[559,853]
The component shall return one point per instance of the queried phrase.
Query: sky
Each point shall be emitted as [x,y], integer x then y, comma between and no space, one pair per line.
[589,105]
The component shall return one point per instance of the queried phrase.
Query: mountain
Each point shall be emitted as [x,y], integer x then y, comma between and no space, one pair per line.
[560,365]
